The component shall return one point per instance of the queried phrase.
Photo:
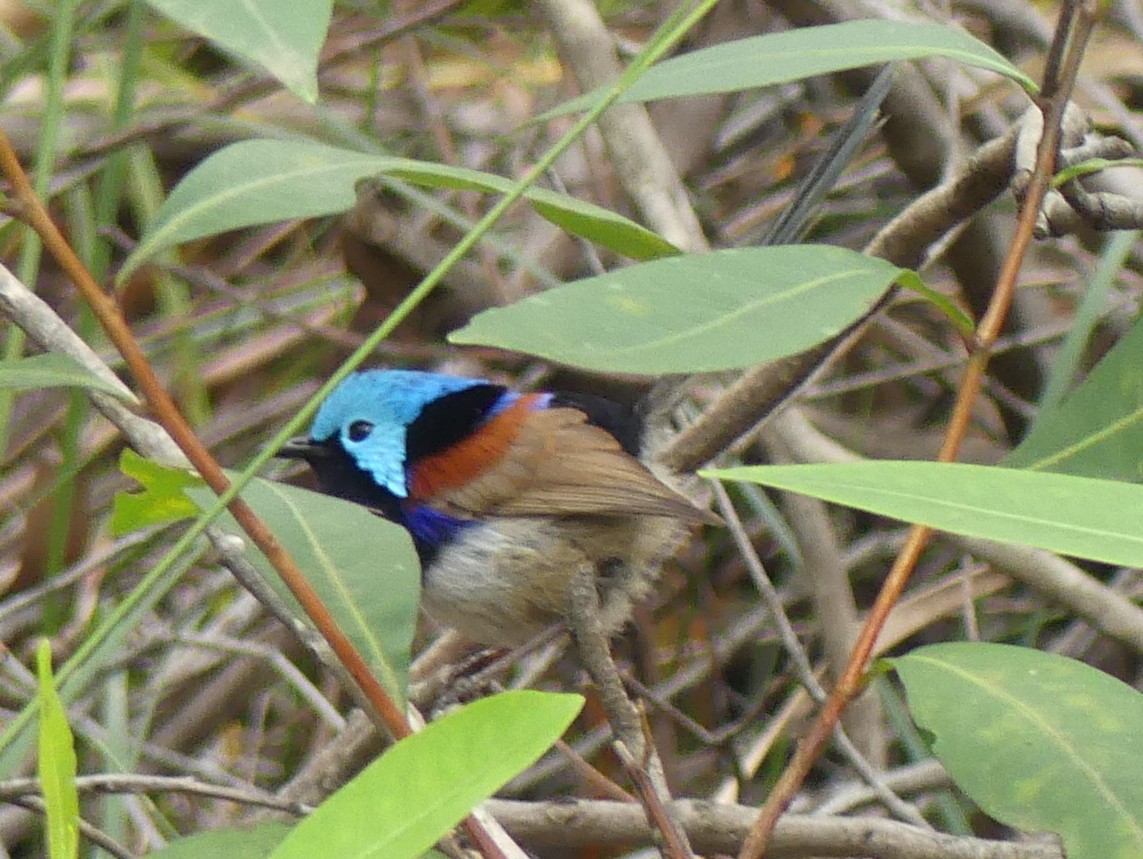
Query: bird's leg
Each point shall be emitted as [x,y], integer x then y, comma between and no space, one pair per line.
[633,747]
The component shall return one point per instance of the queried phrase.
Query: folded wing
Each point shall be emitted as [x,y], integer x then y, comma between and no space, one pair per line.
[556,463]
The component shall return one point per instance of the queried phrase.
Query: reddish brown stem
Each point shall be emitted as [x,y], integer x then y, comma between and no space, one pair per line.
[32,211]
[1073,30]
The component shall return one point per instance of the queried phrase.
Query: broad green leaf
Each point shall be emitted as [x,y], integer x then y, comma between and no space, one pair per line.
[51,371]
[257,842]
[1097,430]
[362,567]
[403,802]
[56,765]
[283,38]
[263,181]
[163,499]
[1081,516]
[792,55]
[694,313]
[1040,742]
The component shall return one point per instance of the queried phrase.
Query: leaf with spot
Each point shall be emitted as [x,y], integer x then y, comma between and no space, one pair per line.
[163,498]
[1040,742]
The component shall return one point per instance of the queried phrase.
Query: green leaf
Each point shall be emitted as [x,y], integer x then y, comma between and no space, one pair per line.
[1040,742]
[263,181]
[163,499]
[1097,519]
[283,38]
[694,313]
[961,321]
[258,842]
[1092,165]
[363,568]
[56,767]
[52,371]
[1097,430]
[402,803]
[579,218]
[792,55]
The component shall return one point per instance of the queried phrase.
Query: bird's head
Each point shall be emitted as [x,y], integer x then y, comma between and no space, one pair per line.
[377,422]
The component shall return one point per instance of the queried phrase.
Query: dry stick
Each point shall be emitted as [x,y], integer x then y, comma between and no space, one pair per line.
[717,828]
[603,823]
[32,211]
[117,783]
[640,160]
[89,831]
[1076,22]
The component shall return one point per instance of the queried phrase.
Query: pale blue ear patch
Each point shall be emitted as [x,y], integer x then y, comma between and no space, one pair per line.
[382,454]
[390,400]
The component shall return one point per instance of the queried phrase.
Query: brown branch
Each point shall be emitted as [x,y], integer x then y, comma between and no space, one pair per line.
[715,828]
[719,828]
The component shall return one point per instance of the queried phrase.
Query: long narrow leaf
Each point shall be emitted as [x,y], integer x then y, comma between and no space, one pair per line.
[56,765]
[796,54]
[1081,516]
[52,371]
[263,181]
[694,313]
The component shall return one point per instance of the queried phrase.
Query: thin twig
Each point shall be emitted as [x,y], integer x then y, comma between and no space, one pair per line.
[92,833]
[801,661]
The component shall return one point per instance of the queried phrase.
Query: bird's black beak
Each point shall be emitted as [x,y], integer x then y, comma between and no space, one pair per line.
[302,448]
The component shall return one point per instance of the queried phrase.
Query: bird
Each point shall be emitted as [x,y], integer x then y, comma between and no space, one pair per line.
[504,493]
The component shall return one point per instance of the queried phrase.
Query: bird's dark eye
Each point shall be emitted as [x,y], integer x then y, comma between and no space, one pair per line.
[359,430]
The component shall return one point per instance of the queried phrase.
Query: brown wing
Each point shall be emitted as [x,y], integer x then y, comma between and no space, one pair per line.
[558,464]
